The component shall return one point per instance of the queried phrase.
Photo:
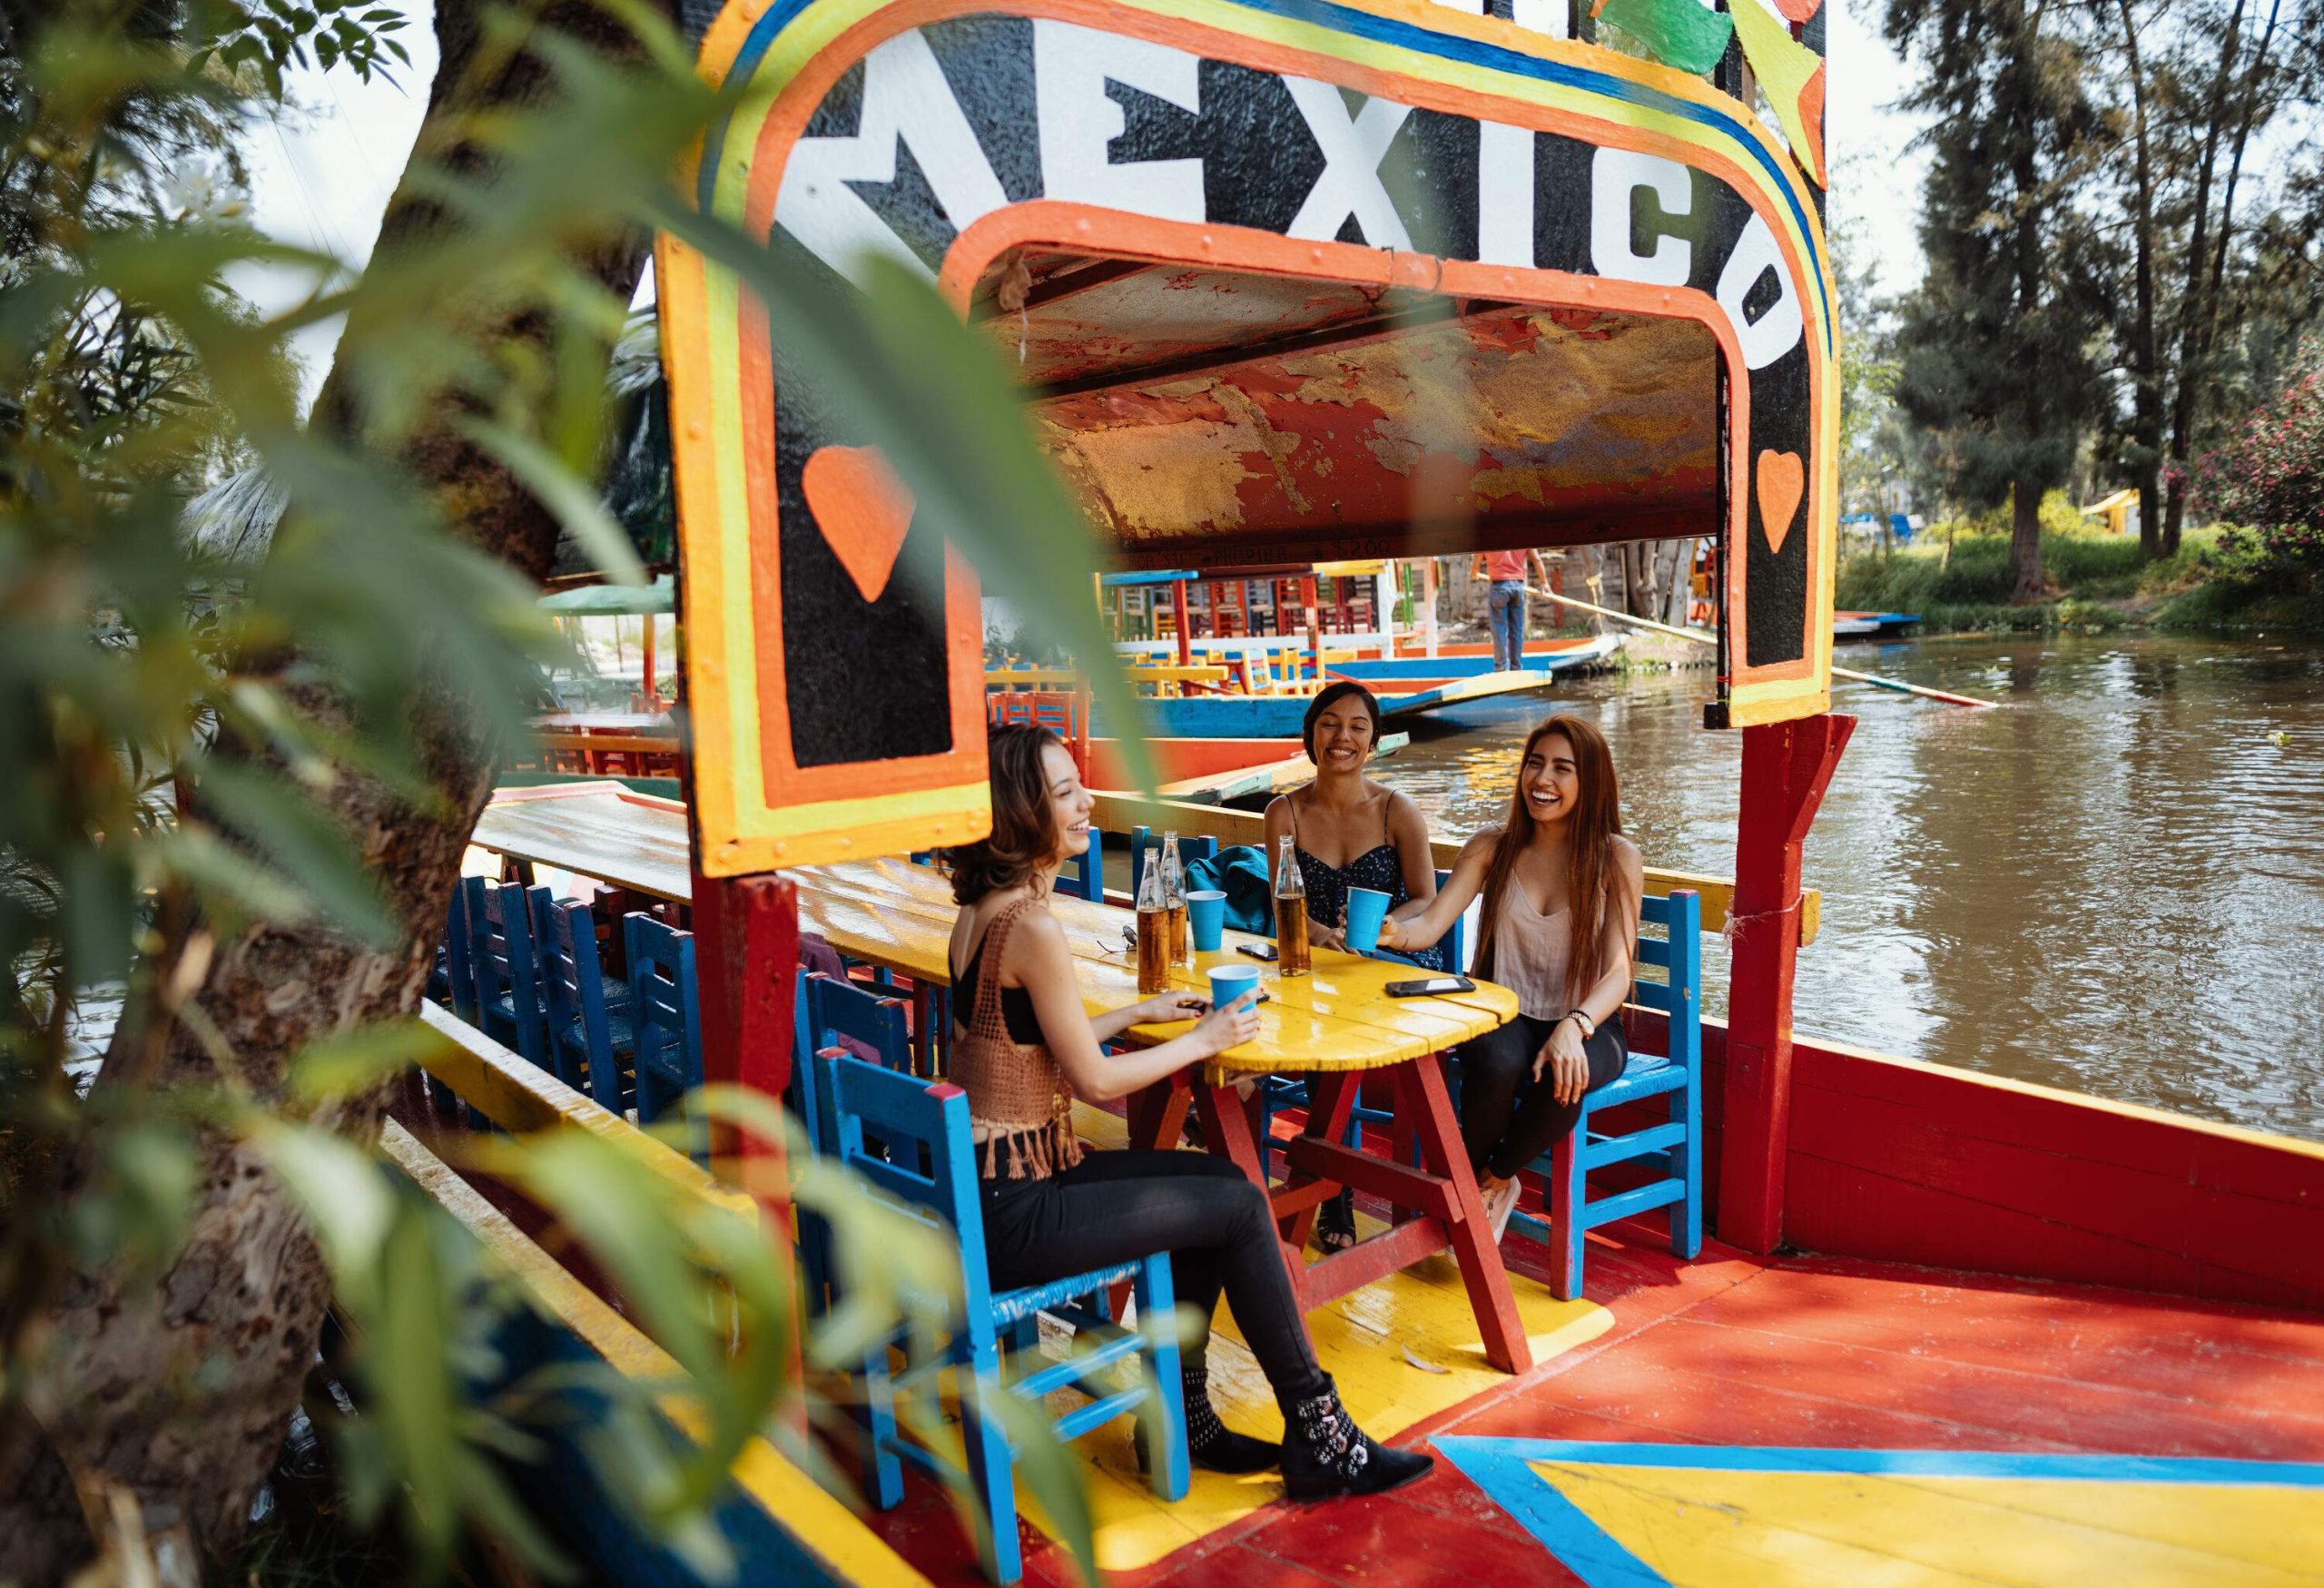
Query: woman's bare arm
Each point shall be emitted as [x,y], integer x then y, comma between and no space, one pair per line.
[1044,967]
[1418,924]
[1607,995]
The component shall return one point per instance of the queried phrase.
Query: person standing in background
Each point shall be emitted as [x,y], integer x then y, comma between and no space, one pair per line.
[1505,573]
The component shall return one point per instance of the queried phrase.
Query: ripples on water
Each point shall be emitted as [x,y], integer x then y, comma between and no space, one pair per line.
[2115,885]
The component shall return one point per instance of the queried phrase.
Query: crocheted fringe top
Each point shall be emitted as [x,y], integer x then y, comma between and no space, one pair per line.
[1014,1087]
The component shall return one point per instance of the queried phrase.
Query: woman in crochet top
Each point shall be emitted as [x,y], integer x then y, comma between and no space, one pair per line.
[1023,1046]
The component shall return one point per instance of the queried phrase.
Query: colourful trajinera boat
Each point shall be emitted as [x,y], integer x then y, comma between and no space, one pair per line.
[1944,1327]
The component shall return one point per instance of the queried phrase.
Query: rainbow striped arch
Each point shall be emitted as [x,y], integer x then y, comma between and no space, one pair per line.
[837,708]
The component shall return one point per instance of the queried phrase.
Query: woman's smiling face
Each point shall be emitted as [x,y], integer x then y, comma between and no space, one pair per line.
[1070,803]
[1343,732]
[1550,780]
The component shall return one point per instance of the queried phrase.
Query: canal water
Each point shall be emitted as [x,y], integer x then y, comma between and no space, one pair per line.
[2113,884]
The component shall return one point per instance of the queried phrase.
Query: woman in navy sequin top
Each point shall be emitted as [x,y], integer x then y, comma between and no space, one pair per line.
[1350,831]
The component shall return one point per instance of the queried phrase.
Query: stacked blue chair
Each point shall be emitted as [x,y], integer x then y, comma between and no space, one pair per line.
[929,1166]
[838,1017]
[589,1033]
[505,968]
[1676,1146]
[451,979]
[666,1014]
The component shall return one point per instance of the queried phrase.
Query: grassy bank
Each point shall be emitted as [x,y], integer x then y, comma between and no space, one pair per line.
[2095,583]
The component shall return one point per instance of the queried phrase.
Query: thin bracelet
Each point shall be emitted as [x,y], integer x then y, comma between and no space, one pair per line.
[1588,1026]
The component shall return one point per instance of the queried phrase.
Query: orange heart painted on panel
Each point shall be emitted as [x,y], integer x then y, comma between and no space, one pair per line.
[1782,478]
[863,509]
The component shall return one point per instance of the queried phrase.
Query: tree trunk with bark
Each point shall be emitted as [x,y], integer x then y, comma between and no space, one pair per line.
[2146,389]
[2026,542]
[177,1394]
[2190,301]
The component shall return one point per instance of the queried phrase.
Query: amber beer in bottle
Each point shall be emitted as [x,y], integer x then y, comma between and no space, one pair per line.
[1153,934]
[1174,899]
[1290,913]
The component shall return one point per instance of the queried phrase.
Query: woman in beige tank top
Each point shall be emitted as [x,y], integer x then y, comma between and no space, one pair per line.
[1559,922]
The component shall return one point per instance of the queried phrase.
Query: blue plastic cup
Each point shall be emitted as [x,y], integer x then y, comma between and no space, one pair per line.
[1229,983]
[1365,909]
[1206,917]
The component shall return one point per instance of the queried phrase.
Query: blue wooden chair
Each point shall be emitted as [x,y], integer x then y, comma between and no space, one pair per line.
[1084,876]
[666,1014]
[505,966]
[1143,840]
[1278,1091]
[840,1014]
[929,1166]
[1676,1143]
[589,1031]
[451,979]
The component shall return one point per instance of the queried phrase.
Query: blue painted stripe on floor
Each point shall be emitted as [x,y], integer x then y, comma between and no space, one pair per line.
[1561,1527]
[1961,1463]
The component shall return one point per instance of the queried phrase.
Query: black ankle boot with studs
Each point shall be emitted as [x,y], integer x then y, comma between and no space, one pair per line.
[1326,1455]
[1211,1445]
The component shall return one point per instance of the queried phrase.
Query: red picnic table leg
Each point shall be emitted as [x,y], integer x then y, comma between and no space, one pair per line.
[1420,1095]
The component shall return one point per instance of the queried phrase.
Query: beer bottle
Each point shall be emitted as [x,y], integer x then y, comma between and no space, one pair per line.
[1290,912]
[1153,934]
[1174,899]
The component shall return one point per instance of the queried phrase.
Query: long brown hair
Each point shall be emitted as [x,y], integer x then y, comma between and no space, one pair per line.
[1025,836]
[1590,830]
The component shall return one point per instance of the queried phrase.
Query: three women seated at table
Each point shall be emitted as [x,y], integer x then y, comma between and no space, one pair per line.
[1023,1046]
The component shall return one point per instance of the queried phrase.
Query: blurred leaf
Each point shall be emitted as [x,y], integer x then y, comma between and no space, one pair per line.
[289,829]
[573,502]
[340,1189]
[358,1060]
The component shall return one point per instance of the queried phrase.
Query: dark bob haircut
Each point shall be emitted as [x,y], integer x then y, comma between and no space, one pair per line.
[1330,695]
[1025,836]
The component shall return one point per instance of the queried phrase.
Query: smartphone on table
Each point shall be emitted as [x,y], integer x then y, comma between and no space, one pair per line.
[1257,951]
[1429,987]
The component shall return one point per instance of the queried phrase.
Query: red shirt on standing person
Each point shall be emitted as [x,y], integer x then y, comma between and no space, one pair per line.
[1499,566]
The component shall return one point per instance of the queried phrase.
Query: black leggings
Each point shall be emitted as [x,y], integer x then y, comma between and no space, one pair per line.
[1506,1132]
[1216,1226]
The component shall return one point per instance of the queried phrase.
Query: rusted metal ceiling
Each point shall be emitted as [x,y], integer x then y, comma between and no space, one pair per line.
[1203,415]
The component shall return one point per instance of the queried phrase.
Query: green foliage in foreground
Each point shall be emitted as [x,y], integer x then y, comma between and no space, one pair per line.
[180,730]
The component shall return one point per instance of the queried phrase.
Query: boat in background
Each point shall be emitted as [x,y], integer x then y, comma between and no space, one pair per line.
[1872,625]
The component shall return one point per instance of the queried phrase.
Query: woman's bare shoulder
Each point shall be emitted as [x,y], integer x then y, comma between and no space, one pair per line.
[1481,842]
[1628,858]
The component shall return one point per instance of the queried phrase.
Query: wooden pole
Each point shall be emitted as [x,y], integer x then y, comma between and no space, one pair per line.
[1179,618]
[746,956]
[651,620]
[1787,767]
[1697,636]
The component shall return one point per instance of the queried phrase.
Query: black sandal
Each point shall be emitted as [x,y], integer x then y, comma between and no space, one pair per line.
[1335,1223]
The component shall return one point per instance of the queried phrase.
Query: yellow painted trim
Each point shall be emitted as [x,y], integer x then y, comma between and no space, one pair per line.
[846,1550]
[520,1097]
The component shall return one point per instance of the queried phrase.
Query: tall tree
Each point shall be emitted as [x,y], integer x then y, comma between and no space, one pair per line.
[1995,345]
[176,1393]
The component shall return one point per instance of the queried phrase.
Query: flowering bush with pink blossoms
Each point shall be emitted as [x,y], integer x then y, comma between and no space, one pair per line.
[2269,478]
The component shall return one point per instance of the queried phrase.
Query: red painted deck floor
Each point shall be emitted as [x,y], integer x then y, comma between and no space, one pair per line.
[1789,1351]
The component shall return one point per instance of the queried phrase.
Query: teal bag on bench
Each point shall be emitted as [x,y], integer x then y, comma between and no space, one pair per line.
[1240,873]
